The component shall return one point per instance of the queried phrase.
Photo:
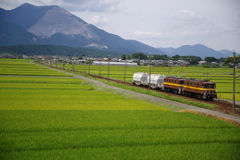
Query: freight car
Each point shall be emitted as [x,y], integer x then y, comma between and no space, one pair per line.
[140,78]
[156,81]
[143,79]
[192,87]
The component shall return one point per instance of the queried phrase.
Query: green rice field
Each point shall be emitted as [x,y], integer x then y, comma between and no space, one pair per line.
[29,93]
[115,134]
[59,117]
[18,67]
[222,76]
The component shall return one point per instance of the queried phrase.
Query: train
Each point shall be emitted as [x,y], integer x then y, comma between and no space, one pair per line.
[192,87]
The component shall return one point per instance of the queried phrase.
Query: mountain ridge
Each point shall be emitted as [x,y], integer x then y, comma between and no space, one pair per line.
[197,50]
[25,15]
[21,36]
[54,25]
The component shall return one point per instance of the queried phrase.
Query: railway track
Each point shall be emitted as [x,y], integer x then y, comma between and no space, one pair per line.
[222,105]
[223,108]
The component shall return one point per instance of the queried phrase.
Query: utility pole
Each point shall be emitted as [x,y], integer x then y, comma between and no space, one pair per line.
[72,65]
[63,64]
[150,70]
[57,58]
[169,68]
[89,68]
[234,68]
[89,63]
[125,68]
[100,68]
[108,66]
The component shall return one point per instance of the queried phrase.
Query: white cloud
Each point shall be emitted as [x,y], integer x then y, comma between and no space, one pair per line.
[92,5]
[186,18]
[148,34]
[157,22]
[109,6]
[186,11]
[188,33]
[99,21]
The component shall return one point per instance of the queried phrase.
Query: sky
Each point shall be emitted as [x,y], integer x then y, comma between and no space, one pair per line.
[158,23]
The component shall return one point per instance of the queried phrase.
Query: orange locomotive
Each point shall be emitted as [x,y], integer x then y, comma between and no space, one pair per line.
[202,89]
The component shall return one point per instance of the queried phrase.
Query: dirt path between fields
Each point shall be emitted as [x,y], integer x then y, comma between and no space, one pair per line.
[208,112]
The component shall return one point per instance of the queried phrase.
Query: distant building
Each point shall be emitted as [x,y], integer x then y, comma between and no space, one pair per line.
[7,56]
[202,62]
[113,63]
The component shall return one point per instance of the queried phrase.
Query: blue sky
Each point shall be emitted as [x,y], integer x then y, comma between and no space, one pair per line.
[158,23]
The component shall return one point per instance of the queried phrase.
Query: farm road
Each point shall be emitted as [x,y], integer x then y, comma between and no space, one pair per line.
[207,111]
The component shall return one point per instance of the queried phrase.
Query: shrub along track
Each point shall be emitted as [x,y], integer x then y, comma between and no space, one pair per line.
[223,109]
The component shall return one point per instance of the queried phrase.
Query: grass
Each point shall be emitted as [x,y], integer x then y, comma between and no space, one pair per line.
[214,116]
[166,152]
[164,96]
[222,76]
[133,96]
[157,94]
[107,134]
[72,94]
[17,67]
[67,118]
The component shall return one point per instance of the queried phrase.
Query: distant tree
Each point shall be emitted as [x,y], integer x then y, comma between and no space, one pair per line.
[138,63]
[191,58]
[210,59]
[194,61]
[160,57]
[230,60]
[176,57]
[124,57]
[129,57]
[139,56]
[221,59]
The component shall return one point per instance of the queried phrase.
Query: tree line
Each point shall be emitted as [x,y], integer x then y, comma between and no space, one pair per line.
[193,60]
[31,50]
[142,56]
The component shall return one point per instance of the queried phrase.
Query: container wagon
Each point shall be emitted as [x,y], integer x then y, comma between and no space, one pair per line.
[140,78]
[156,81]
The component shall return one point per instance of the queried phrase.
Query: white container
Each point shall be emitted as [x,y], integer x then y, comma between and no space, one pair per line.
[140,78]
[156,81]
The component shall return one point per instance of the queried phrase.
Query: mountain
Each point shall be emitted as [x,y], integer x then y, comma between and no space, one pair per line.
[12,34]
[168,50]
[25,15]
[227,53]
[195,50]
[144,48]
[36,49]
[53,25]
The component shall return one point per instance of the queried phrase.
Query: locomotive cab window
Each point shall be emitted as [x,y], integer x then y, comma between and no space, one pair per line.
[209,86]
[181,82]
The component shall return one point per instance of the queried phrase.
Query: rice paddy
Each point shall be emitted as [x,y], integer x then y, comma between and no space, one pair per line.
[222,76]
[66,118]
[16,67]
